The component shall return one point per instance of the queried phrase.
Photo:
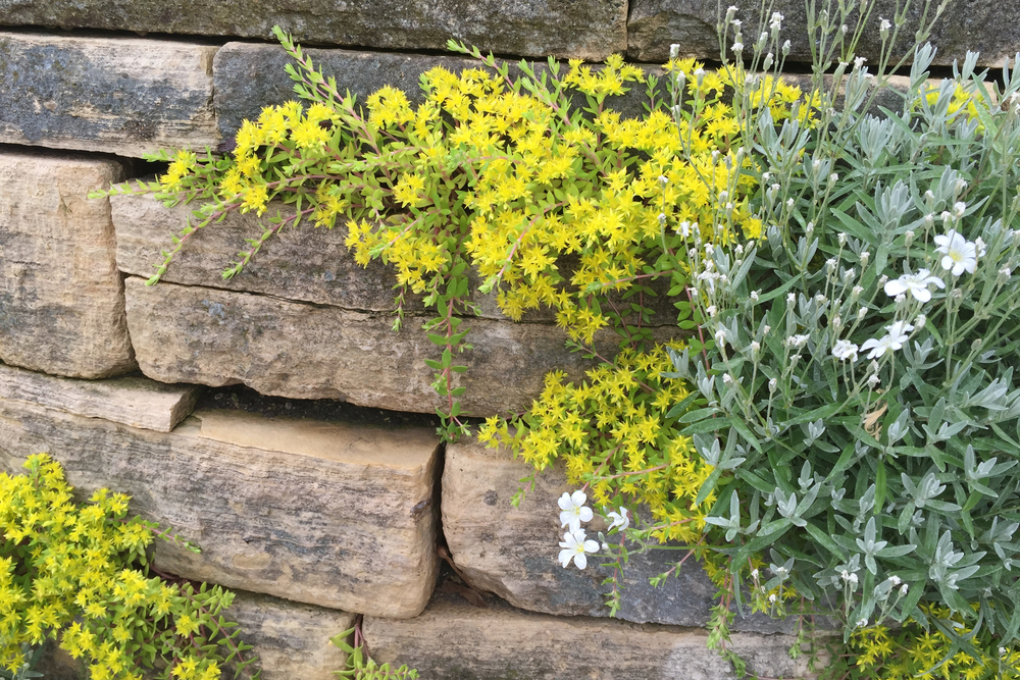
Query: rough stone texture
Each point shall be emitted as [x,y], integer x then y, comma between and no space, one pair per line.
[512,551]
[116,95]
[291,640]
[457,641]
[303,264]
[61,296]
[305,351]
[986,26]
[249,77]
[588,30]
[135,401]
[314,512]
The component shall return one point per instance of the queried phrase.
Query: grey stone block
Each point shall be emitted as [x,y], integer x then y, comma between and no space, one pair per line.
[589,30]
[126,96]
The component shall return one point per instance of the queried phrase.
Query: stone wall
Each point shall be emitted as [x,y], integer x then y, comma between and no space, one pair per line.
[274,419]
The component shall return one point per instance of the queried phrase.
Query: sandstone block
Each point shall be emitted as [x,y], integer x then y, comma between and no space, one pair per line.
[116,95]
[135,401]
[512,551]
[291,640]
[588,30]
[311,511]
[304,264]
[305,351]
[61,296]
[454,640]
[985,26]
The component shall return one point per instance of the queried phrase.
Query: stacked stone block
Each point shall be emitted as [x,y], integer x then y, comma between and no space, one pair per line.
[315,520]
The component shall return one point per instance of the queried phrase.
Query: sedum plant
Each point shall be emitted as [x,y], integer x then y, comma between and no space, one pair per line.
[70,572]
[528,180]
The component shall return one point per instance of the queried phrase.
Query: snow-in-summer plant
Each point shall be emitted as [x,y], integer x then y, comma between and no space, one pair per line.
[856,401]
[859,402]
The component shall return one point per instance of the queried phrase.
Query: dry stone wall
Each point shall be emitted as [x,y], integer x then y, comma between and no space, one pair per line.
[313,510]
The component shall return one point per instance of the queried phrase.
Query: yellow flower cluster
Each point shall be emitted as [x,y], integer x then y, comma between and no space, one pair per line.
[910,652]
[612,432]
[66,574]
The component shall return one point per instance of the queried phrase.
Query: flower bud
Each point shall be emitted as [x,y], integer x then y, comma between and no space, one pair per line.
[674,51]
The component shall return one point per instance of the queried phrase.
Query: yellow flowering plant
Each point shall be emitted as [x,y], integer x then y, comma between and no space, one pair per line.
[77,573]
[551,203]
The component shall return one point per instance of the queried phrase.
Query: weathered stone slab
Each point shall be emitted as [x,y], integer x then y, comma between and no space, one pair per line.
[986,26]
[291,640]
[135,401]
[305,351]
[512,552]
[310,511]
[454,640]
[588,30]
[116,95]
[61,296]
[305,264]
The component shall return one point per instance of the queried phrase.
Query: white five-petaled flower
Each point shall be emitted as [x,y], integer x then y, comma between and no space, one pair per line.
[573,511]
[959,254]
[915,284]
[844,349]
[574,548]
[620,519]
[890,342]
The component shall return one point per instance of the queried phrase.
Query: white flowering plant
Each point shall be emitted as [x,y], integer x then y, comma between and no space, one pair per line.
[854,393]
[857,399]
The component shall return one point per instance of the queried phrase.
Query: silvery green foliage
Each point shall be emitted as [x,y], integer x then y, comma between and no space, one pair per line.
[859,386]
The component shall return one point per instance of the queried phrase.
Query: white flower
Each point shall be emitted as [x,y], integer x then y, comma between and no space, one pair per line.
[574,548]
[772,598]
[754,574]
[888,343]
[844,349]
[916,284]
[663,180]
[920,321]
[884,26]
[620,519]
[662,219]
[873,381]
[755,295]
[674,51]
[863,622]
[711,309]
[895,580]
[865,256]
[791,298]
[573,510]
[959,208]
[738,47]
[796,341]
[684,229]
[720,337]
[859,62]
[777,21]
[755,347]
[959,254]
[981,247]
[786,48]
[862,312]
